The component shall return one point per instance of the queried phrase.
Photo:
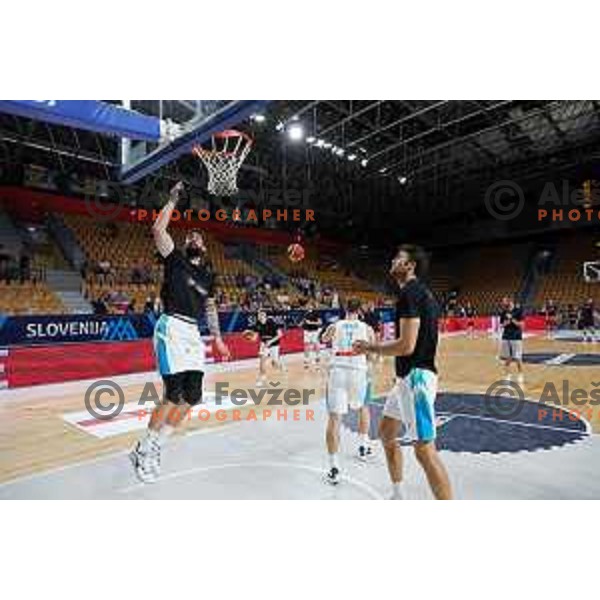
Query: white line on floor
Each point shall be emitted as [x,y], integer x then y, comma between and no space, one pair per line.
[344,478]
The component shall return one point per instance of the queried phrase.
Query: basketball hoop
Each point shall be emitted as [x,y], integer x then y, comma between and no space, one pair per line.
[223,160]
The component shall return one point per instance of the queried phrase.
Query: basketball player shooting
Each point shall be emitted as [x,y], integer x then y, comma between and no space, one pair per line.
[187,289]
[411,400]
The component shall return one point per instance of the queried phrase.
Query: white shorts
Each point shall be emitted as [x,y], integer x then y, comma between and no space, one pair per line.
[178,345]
[311,338]
[411,401]
[346,388]
[271,352]
[511,349]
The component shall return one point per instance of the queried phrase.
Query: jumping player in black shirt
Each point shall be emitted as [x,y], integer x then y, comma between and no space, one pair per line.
[187,290]
[269,334]
[411,400]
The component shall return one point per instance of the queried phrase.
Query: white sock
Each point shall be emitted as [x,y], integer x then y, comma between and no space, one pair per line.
[363,439]
[149,437]
[153,435]
[333,461]
[396,490]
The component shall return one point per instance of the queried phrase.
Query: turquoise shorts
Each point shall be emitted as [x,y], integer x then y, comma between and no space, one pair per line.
[412,401]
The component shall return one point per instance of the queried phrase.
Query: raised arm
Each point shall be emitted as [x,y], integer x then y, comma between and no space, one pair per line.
[162,239]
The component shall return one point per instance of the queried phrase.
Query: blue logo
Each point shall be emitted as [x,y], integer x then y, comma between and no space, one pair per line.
[120,329]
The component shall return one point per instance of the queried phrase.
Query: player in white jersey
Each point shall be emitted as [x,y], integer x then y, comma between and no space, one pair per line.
[347,384]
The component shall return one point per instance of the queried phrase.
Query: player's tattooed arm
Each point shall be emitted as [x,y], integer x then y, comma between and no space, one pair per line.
[372,340]
[162,239]
[329,333]
[212,320]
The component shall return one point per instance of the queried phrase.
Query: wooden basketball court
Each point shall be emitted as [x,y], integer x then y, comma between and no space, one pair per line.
[37,439]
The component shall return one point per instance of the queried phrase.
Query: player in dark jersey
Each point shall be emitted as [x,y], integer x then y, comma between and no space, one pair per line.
[550,313]
[269,334]
[411,400]
[187,292]
[587,321]
[311,324]
[572,316]
[470,315]
[511,346]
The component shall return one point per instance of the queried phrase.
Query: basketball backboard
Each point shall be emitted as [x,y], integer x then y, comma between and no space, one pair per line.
[206,117]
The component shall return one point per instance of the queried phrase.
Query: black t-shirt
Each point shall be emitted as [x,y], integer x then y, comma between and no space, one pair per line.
[311,315]
[587,315]
[185,287]
[267,331]
[416,300]
[511,330]
[470,313]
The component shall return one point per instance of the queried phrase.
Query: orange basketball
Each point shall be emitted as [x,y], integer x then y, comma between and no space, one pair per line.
[295,252]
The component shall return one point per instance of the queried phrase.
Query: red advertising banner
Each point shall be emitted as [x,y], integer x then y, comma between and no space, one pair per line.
[37,365]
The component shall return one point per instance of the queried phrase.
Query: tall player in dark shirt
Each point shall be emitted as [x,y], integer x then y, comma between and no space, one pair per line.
[411,400]
[187,291]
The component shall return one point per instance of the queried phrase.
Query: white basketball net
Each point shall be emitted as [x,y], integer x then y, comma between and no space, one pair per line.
[223,160]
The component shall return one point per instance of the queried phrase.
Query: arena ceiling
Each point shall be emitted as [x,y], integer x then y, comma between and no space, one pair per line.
[367,166]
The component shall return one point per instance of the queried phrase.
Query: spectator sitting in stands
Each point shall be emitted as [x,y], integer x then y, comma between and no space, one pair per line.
[99,306]
[10,270]
[24,266]
[148,305]
[335,300]
[103,270]
[136,274]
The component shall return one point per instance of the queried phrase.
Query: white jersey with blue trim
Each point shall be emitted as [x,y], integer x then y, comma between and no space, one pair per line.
[345,333]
